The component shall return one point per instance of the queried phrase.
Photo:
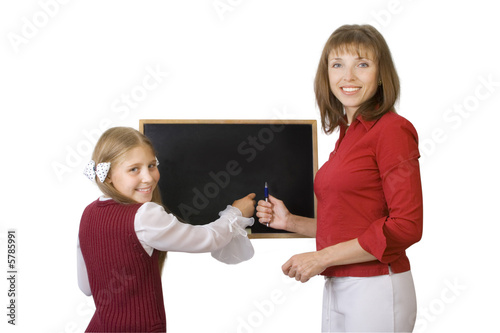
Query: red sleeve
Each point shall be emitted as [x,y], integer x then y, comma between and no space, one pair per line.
[397,158]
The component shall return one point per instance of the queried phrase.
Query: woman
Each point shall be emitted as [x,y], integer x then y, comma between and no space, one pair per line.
[369,191]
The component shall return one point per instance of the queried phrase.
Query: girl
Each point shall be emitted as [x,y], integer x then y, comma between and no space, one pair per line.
[124,233]
[369,192]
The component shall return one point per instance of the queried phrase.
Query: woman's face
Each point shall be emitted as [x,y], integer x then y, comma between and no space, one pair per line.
[353,79]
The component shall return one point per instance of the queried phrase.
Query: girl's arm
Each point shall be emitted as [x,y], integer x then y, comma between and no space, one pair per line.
[81,269]
[277,215]
[163,231]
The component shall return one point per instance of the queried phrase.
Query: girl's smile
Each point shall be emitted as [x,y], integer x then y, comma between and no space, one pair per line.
[136,176]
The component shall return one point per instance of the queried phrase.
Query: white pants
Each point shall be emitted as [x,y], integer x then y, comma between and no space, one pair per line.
[385,303]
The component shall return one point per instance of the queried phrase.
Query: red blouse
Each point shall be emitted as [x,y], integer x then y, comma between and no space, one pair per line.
[370,189]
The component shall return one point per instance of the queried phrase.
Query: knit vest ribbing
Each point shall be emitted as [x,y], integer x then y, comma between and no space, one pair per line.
[124,280]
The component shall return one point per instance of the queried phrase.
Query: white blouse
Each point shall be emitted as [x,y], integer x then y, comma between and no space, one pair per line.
[157,229]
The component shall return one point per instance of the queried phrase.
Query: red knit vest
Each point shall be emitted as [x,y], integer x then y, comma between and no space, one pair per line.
[124,280]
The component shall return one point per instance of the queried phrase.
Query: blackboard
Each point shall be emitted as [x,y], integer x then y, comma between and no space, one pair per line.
[207,164]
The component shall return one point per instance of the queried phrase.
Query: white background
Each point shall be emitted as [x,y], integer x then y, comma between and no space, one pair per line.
[67,67]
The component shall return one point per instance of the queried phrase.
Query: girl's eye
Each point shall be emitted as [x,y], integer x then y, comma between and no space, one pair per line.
[134,170]
[336,66]
[363,65]
[151,166]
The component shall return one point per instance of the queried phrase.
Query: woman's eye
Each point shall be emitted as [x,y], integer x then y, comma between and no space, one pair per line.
[134,170]
[151,166]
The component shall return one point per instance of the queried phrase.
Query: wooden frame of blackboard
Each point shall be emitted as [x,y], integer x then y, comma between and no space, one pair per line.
[268,131]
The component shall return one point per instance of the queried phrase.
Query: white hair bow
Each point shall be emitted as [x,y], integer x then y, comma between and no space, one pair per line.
[101,170]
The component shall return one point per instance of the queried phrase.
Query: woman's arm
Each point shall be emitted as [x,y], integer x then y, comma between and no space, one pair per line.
[397,155]
[277,215]
[349,252]
[304,266]
[302,225]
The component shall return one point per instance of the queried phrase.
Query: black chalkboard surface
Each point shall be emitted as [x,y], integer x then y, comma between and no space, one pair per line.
[207,164]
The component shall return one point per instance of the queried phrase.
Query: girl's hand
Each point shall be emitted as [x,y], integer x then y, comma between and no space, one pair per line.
[273,212]
[246,205]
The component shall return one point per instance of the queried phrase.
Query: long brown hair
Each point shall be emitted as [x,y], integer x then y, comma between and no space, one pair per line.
[356,39]
[111,147]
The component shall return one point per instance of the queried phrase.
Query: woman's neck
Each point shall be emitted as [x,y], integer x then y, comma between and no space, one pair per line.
[349,116]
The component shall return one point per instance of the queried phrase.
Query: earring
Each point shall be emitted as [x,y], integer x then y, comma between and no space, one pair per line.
[379,82]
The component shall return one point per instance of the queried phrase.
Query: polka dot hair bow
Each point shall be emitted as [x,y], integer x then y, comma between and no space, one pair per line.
[101,170]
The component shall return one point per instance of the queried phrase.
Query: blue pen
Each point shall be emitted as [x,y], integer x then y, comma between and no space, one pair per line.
[266,198]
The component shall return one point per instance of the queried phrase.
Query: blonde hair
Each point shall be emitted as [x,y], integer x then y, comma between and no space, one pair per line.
[111,147]
[360,40]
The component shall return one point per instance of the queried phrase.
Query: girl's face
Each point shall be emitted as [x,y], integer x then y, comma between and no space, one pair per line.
[353,79]
[136,176]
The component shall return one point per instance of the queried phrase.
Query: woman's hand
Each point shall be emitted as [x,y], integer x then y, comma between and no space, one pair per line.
[304,266]
[273,212]
[246,205]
